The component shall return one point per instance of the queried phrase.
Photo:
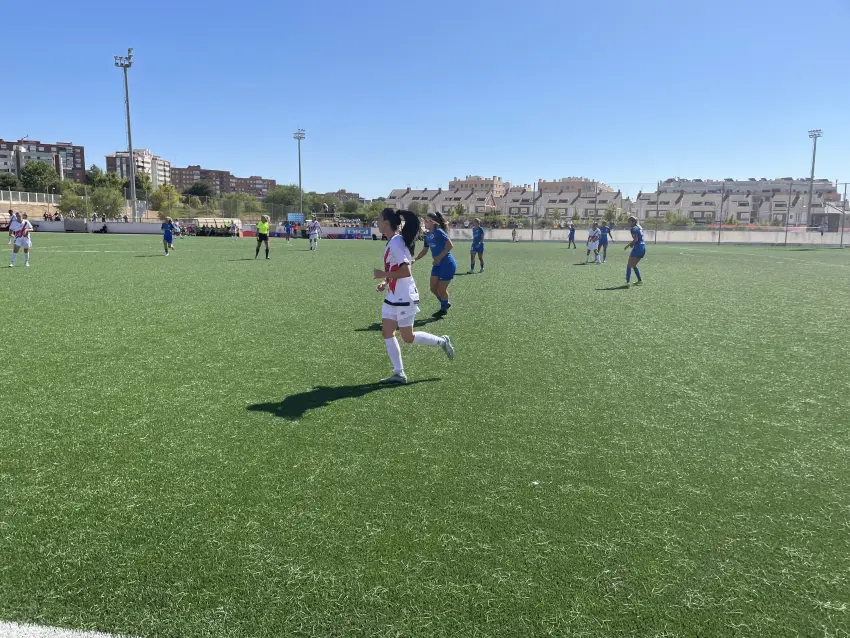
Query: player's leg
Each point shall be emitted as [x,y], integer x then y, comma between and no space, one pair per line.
[259,243]
[26,256]
[443,294]
[471,261]
[266,241]
[165,245]
[481,259]
[388,328]
[435,285]
[635,268]
[14,255]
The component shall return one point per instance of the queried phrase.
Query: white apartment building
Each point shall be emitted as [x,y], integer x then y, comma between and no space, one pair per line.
[478,183]
[752,185]
[580,184]
[146,162]
[474,202]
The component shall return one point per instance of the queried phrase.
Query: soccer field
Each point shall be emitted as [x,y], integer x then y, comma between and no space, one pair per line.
[195,446]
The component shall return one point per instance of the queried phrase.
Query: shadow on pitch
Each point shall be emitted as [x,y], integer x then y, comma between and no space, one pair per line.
[295,406]
[376,327]
[623,287]
[146,256]
[246,259]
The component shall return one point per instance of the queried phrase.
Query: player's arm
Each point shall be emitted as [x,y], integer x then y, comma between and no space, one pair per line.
[422,253]
[400,273]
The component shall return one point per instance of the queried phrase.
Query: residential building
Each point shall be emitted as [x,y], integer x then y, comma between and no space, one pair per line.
[222,182]
[580,184]
[762,186]
[146,162]
[69,160]
[259,187]
[474,202]
[520,202]
[478,183]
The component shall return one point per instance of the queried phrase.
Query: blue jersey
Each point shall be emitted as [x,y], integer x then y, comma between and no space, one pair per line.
[572,232]
[637,235]
[436,241]
[288,229]
[605,232]
[167,229]
[477,237]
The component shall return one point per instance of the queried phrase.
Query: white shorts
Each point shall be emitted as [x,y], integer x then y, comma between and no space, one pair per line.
[314,235]
[402,315]
[592,245]
[23,242]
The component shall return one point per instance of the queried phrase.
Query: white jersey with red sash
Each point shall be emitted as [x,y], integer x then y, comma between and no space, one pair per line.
[399,291]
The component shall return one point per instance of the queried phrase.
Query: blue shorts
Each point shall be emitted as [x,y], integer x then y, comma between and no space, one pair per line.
[168,239]
[445,271]
[478,249]
[572,237]
[638,252]
[603,242]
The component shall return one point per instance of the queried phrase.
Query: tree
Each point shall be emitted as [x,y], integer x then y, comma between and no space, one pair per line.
[195,202]
[610,213]
[420,209]
[200,189]
[71,203]
[38,177]
[93,174]
[371,210]
[67,187]
[284,195]
[165,198]
[8,182]
[350,206]
[144,185]
[108,202]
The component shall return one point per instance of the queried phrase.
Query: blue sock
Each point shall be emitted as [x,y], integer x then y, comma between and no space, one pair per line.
[472,266]
[637,273]
[628,274]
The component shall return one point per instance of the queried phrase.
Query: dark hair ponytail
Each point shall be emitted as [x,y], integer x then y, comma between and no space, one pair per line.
[437,218]
[409,230]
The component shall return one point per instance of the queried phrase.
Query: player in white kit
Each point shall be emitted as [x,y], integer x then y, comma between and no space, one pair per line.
[314,229]
[402,300]
[22,228]
[593,242]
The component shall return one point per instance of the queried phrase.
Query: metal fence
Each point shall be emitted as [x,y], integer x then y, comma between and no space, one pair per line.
[22,197]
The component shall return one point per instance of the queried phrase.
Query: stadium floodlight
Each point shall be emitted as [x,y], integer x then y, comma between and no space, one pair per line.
[814,134]
[125,62]
[299,135]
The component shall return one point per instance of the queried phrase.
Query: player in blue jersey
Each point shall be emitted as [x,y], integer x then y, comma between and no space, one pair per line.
[638,246]
[606,231]
[477,246]
[571,240]
[287,229]
[444,266]
[167,234]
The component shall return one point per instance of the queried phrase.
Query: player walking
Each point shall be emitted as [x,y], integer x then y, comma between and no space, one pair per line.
[287,229]
[11,232]
[477,246]
[605,231]
[21,228]
[234,231]
[444,265]
[593,242]
[314,230]
[638,246]
[571,240]
[167,234]
[262,235]
[402,301]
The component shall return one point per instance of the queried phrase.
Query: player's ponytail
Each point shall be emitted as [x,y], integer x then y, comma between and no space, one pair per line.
[437,218]
[410,229]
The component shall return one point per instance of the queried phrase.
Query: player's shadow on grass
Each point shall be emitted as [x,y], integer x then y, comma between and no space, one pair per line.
[376,327]
[245,259]
[623,287]
[146,256]
[296,406]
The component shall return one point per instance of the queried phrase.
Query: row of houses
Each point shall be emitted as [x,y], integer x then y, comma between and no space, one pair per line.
[746,207]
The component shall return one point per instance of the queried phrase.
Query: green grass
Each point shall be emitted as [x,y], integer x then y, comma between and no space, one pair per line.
[188,447]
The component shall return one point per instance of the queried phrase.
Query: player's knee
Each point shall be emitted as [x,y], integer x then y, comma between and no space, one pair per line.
[407,336]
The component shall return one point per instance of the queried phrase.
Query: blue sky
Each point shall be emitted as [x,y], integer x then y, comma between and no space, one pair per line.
[414,93]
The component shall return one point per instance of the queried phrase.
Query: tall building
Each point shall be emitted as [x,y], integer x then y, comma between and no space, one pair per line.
[146,162]
[222,182]
[478,183]
[344,196]
[577,184]
[67,159]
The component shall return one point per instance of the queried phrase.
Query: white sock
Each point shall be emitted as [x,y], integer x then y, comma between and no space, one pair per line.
[14,256]
[394,351]
[26,258]
[427,339]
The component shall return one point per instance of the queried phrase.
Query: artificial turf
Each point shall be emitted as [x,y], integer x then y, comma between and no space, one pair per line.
[195,446]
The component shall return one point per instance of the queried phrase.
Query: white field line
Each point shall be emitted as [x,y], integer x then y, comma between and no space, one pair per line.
[16,630]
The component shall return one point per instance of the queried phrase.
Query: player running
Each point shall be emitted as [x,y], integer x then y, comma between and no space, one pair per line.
[262,235]
[234,231]
[593,242]
[314,230]
[477,246]
[571,240]
[287,230]
[605,231]
[21,228]
[444,265]
[167,234]
[402,301]
[638,246]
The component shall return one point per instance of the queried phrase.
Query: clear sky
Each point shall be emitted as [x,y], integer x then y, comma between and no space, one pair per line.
[414,92]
